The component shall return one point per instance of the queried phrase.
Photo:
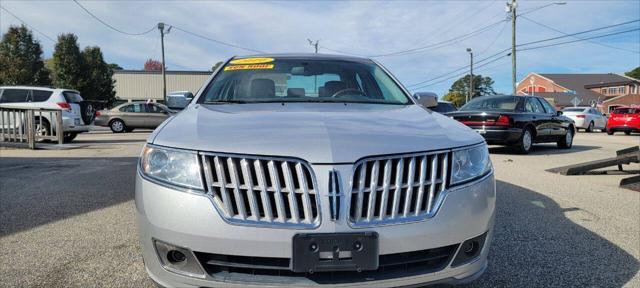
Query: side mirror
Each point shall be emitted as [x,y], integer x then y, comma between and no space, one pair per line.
[426,99]
[558,113]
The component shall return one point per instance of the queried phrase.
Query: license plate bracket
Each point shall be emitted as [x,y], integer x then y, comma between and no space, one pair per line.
[335,252]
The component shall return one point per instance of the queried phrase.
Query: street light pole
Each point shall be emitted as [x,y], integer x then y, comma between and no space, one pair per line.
[511,8]
[164,76]
[471,88]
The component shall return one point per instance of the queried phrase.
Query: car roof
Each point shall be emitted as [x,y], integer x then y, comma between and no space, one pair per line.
[309,56]
[43,88]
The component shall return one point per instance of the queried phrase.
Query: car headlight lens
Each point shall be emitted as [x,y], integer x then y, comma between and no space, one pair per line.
[172,166]
[469,164]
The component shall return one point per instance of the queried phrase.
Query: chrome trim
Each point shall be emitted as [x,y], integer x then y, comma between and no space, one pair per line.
[420,163]
[335,194]
[268,183]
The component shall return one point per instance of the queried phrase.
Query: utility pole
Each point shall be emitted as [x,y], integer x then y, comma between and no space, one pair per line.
[470,96]
[164,76]
[314,44]
[511,8]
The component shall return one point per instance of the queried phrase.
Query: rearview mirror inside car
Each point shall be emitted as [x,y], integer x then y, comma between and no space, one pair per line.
[426,99]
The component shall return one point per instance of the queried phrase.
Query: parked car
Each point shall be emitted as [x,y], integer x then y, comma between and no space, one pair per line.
[128,116]
[295,170]
[587,118]
[77,114]
[179,99]
[518,121]
[444,107]
[625,119]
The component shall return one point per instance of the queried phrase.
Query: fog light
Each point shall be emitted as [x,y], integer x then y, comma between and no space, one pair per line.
[175,256]
[178,260]
[469,250]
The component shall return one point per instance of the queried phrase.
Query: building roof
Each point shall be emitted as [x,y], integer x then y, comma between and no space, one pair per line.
[564,99]
[582,82]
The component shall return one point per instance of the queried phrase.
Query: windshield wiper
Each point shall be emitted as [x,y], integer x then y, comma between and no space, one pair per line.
[226,102]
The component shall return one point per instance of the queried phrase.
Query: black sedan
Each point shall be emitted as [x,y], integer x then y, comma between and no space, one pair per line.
[518,121]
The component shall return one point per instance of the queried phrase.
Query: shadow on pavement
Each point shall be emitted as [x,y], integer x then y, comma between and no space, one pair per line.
[36,191]
[542,149]
[535,245]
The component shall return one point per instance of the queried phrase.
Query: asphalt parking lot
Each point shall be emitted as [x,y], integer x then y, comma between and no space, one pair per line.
[67,217]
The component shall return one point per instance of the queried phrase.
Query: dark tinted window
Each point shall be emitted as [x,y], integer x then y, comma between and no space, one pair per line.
[547,106]
[492,103]
[533,105]
[72,97]
[40,95]
[573,109]
[152,108]
[621,111]
[14,96]
[444,107]
[127,108]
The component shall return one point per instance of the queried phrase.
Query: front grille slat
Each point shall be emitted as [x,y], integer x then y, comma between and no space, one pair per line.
[223,182]
[306,199]
[291,192]
[246,175]
[239,199]
[423,175]
[410,189]
[275,181]
[262,191]
[373,191]
[266,203]
[410,180]
[398,188]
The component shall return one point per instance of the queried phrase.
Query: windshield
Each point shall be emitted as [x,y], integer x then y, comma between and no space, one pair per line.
[259,80]
[501,103]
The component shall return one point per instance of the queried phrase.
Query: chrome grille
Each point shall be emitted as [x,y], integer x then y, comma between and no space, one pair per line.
[397,189]
[262,190]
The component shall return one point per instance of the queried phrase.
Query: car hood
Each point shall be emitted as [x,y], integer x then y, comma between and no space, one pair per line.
[315,132]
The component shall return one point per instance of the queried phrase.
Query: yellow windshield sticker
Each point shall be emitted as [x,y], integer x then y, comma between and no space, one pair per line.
[251,61]
[248,67]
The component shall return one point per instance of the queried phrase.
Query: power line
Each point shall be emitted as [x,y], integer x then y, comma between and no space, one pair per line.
[217,41]
[25,23]
[494,39]
[593,42]
[460,74]
[580,40]
[578,33]
[442,43]
[110,26]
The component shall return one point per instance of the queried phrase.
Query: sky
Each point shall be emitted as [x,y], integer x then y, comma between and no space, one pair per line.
[362,28]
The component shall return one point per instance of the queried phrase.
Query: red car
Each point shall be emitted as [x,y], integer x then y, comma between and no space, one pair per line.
[626,119]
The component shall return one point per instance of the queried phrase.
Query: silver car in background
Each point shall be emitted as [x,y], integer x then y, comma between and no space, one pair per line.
[128,116]
[306,170]
[586,118]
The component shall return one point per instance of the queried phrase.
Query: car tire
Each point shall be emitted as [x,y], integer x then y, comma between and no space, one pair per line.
[68,137]
[627,132]
[566,142]
[526,141]
[117,126]
[609,132]
[590,127]
[44,130]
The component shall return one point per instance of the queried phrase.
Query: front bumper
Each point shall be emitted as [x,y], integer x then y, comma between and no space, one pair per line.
[190,220]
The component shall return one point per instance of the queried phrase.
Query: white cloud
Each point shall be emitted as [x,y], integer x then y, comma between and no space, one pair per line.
[362,27]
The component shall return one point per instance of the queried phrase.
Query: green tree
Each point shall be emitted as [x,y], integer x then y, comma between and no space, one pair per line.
[454,97]
[215,66]
[635,73]
[98,83]
[482,86]
[115,66]
[21,59]
[68,63]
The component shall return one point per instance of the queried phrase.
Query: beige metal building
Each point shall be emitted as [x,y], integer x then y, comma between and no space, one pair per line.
[144,85]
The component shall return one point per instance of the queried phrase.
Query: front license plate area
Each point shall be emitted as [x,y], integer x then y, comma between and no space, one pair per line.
[335,252]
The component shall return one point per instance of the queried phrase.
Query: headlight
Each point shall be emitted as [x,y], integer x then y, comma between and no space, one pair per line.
[469,164]
[171,166]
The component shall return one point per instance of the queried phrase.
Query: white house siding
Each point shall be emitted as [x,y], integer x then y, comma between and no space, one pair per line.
[144,85]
